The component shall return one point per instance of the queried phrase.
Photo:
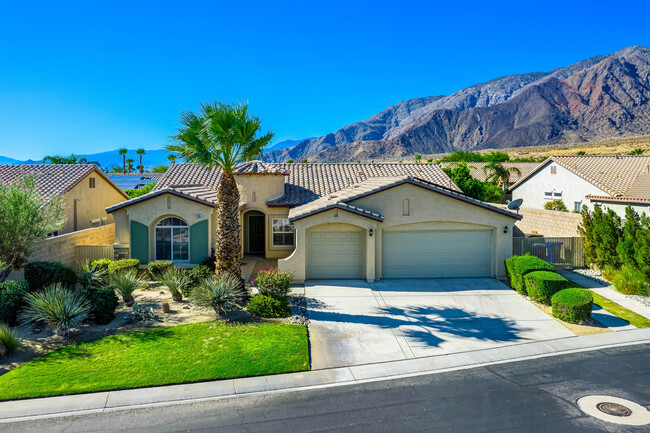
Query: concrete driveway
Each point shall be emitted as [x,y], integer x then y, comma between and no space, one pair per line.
[354,322]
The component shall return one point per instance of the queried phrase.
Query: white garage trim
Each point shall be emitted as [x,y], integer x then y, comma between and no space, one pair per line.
[336,255]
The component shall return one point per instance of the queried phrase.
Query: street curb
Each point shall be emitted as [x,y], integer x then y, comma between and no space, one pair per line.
[108,401]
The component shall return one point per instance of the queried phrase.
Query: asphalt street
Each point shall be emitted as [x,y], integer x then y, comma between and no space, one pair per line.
[530,396]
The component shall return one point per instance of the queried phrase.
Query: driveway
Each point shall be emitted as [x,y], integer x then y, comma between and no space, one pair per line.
[354,322]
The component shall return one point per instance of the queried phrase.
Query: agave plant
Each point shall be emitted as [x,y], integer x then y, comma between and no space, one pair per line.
[125,283]
[9,342]
[176,281]
[220,293]
[57,307]
[93,275]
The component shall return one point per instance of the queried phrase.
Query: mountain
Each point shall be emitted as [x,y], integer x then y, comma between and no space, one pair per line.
[601,97]
[286,143]
[110,158]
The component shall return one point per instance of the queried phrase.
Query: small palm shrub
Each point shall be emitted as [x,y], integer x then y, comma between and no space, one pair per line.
[268,306]
[158,267]
[9,342]
[93,275]
[572,305]
[176,281]
[631,281]
[542,285]
[273,282]
[42,274]
[55,306]
[12,299]
[557,205]
[127,282]
[103,303]
[124,265]
[220,293]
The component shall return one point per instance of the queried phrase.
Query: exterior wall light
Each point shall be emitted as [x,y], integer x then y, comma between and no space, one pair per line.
[505,229]
[370,232]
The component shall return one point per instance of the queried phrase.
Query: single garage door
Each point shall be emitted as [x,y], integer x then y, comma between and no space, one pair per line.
[437,254]
[335,255]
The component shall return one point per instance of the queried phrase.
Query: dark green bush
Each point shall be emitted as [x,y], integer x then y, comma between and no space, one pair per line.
[124,265]
[542,285]
[12,299]
[572,305]
[518,266]
[268,306]
[197,275]
[102,264]
[103,302]
[158,267]
[42,274]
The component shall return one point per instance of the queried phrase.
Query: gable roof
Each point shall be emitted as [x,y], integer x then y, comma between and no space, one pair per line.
[53,179]
[615,175]
[476,169]
[342,198]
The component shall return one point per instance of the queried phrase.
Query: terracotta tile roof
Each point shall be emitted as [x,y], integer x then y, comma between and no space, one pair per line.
[197,194]
[53,179]
[477,172]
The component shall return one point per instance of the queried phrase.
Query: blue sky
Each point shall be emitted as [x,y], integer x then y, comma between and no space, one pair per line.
[86,77]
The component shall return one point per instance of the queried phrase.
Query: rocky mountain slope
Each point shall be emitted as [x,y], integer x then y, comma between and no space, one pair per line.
[604,96]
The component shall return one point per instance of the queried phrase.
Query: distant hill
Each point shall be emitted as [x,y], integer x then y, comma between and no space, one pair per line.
[597,98]
[285,144]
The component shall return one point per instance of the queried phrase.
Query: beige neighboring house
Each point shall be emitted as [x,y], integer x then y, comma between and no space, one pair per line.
[614,182]
[86,190]
[324,221]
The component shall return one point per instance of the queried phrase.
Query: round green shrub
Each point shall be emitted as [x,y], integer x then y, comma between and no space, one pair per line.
[12,299]
[124,265]
[273,282]
[101,264]
[572,305]
[158,267]
[103,303]
[9,342]
[542,285]
[268,306]
[43,274]
[518,266]
[631,281]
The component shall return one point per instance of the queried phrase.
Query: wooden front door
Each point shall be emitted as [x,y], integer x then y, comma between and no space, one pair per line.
[256,234]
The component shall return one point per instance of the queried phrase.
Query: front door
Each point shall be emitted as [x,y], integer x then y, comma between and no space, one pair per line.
[256,234]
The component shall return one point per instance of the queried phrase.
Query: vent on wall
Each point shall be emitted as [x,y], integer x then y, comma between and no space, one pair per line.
[553,169]
[406,207]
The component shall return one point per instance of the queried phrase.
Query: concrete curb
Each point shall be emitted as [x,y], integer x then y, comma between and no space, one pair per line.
[22,410]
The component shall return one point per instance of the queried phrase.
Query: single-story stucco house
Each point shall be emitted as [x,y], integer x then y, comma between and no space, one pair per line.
[614,182]
[324,221]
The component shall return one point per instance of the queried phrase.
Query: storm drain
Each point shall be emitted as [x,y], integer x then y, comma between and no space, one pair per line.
[615,410]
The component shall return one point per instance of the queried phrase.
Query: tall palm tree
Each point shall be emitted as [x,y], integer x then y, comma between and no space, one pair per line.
[171,158]
[222,135]
[123,152]
[140,152]
[497,173]
[129,165]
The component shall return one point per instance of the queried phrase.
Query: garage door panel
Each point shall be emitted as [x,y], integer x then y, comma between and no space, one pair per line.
[335,255]
[437,254]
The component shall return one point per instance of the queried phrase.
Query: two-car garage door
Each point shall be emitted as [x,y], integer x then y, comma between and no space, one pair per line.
[437,254]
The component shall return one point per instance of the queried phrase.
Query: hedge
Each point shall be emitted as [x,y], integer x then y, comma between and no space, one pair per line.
[103,301]
[518,266]
[12,299]
[43,274]
[268,306]
[542,285]
[572,305]
[101,264]
[158,267]
[124,265]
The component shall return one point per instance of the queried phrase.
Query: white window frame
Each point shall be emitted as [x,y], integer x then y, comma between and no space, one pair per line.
[274,232]
[548,195]
[557,195]
[171,228]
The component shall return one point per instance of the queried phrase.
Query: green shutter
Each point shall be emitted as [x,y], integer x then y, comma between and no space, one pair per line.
[139,242]
[199,242]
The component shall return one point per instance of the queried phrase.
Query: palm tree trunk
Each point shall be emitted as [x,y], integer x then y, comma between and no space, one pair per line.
[503,195]
[124,163]
[228,245]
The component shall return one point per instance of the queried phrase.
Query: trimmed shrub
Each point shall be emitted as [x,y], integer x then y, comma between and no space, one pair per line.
[220,293]
[631,281]
[124,265]
[158,267]
[542,285]
[9,342]
[268,306]
[197,275]
[518,266]
[125,282]
[56,306]
[43,274]
[273,282]
[101,264]
[103,302]
[572,305]
[12,299]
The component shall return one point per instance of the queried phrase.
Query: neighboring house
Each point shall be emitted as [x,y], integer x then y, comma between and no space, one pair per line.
[477,172]
[612,181]
[134,180]
[86,190]
[324,221]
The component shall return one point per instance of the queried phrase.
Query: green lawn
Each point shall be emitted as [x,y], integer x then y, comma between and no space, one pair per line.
[162,356]
[618,310]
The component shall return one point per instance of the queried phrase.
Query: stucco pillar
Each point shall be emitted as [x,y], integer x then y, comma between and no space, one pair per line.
[370,254]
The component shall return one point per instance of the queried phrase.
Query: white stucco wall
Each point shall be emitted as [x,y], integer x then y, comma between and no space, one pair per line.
[619,208]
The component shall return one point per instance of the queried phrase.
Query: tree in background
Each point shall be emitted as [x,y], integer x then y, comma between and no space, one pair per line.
[70,159]
[459,173]
[25,218]
[498,174]
[418,158]
[601,232]
[637,151]
[631,231]
[556,205]
[129,165]
[133,193]
[171,158]
[222,135]
[141,153]
[160,169]
[123,152]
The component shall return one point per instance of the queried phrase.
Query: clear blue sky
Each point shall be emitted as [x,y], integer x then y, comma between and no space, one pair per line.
[92,76]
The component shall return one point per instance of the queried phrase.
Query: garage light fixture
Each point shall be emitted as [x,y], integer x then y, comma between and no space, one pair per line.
[370,232]
[505,229]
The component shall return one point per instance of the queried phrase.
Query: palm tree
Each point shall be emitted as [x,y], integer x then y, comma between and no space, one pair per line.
[122,152]
[129,165]
[418,158]
[71,159]
[497,173]
[140,152]
[171,158]
[222,135]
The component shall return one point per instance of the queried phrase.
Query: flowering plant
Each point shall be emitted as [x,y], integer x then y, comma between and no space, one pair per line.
[273,282]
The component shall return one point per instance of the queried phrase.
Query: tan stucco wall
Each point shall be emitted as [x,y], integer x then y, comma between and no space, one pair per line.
[428,210]
[91,204]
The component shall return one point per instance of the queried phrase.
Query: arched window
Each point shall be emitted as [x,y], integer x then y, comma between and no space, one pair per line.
[172,240]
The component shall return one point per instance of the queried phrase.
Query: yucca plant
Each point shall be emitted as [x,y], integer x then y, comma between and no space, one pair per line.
[9,342]
[176,281]
[57,307]
[125,283]
[93,275]
[221,293]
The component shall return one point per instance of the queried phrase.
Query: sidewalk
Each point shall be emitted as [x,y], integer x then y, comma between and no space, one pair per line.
[175,394]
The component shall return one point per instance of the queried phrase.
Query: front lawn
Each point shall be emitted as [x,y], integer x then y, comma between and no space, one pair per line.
[162,356]
[619,311]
